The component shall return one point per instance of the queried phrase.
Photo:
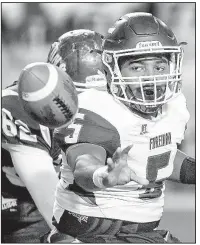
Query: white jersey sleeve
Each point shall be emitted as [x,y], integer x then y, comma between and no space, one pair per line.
[177,110]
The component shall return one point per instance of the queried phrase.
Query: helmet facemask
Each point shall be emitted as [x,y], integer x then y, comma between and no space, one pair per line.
[151,91]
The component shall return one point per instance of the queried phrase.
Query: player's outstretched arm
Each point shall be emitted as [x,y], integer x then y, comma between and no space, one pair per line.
[118,171]
[184,169]
[35,169]
[92,173]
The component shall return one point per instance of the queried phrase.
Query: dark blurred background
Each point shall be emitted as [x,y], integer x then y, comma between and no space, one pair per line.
[28,29]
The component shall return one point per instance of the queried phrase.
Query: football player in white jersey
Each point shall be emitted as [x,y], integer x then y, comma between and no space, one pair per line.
[29,172]
[122,145]
[26,164]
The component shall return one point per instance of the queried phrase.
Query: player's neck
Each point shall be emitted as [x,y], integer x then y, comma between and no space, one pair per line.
[144,115]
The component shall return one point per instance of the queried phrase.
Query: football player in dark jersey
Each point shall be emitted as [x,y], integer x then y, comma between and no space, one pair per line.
[29,172]
[122,145]
[28,148]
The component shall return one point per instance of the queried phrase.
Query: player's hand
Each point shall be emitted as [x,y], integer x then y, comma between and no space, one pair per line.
[119,172]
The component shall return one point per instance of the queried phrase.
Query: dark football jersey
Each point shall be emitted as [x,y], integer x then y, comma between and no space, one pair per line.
[89,127]
[18,129]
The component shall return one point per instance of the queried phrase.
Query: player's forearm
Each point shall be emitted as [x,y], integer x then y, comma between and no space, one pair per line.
[43,194]
[35,169]
[84,171]
[84,159]
[184,169]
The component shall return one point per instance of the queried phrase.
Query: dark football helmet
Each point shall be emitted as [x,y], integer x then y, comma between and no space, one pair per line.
[78,53]
[138,35]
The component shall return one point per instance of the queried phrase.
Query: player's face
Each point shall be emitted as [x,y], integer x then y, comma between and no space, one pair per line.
[146,66]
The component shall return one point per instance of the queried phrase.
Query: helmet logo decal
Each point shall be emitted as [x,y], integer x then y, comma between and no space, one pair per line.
[108,58]
[96,80]
[148,44]
[114,89]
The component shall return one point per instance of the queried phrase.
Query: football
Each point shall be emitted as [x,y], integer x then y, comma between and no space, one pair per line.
[47,94]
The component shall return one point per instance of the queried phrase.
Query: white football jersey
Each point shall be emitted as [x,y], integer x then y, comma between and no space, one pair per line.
[152,156]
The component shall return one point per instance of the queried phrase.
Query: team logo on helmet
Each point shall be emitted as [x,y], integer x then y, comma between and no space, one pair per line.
[108,58]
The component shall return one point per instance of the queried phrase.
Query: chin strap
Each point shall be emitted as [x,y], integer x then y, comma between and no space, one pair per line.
[144,109]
